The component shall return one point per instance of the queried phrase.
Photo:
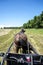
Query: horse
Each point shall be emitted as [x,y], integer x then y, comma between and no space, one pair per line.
[20,41]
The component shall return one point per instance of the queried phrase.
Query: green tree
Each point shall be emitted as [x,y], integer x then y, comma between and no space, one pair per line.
[36,22]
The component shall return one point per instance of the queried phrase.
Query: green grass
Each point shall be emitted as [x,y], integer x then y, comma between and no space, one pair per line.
[6,40]
[35,36]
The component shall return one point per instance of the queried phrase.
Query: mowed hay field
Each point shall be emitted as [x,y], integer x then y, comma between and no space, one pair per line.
[35,37]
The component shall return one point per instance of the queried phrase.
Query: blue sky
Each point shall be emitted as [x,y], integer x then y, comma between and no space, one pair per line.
[17,12]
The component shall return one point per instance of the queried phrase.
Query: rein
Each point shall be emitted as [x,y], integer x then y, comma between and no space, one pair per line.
[6,54]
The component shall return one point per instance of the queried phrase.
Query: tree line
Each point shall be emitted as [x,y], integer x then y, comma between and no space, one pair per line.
[12,27]
[36,22]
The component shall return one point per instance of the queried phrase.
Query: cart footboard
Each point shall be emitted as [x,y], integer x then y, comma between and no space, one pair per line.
[22,59]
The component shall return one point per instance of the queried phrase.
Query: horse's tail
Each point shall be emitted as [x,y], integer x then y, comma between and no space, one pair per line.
[24,46]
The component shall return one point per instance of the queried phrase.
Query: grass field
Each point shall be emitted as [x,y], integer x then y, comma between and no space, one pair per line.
[35,37]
